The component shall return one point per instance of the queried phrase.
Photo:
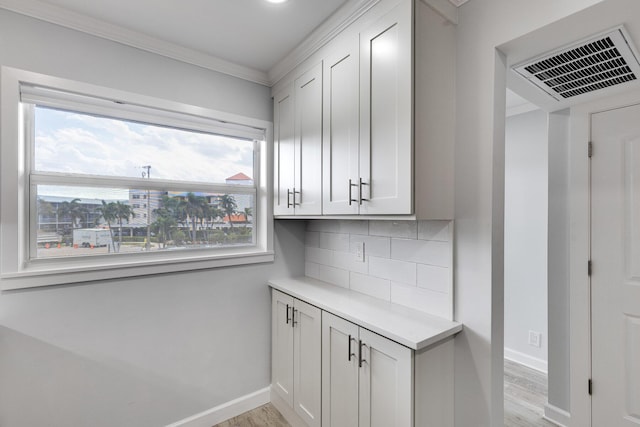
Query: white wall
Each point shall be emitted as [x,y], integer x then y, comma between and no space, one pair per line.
[525,237]
[147,351]
[479,169]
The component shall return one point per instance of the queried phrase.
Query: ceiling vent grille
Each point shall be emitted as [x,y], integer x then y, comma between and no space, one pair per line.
[601,62]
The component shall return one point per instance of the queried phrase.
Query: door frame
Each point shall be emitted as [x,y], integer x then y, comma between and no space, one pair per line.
[579,253]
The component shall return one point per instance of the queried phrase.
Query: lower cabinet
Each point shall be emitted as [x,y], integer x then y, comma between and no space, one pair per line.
[329,372]
[296,357]
[367,380]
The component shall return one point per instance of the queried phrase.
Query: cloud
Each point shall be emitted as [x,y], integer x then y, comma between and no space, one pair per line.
[77,143]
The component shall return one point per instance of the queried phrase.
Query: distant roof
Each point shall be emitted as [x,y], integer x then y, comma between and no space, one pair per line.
[235,218]
[239,177]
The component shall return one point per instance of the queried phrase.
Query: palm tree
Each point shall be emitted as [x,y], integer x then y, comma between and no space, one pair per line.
[122,212]
[247,213]
[108,212]
[228,205]
[72,209]
[165,221]
[45,209]
[195,208]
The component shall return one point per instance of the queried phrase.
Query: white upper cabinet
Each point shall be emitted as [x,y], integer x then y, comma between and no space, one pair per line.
[284,152]
[297,116]
[386,114]
[374,125]
[307,194]
[340,148]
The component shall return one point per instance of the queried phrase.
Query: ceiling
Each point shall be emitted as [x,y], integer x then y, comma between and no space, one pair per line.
[252,33]
[246,38]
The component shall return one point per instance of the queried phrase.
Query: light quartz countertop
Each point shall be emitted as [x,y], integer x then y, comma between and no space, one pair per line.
[406,326]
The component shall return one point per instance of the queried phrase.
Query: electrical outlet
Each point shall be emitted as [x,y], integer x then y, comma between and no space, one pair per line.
[359,251]
[535,339]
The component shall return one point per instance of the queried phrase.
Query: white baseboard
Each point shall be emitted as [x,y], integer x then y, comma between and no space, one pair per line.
[526,360]
[227,410]
[558,416]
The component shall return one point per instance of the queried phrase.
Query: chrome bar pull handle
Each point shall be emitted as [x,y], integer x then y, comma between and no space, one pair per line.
[293,317]
[351,184]
[361,183]
[294,197]
[349,353]
[289,198]
[288,319]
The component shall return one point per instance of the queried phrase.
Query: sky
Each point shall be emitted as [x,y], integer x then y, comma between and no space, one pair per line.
[79,143]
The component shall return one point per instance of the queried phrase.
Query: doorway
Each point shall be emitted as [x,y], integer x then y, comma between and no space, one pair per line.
[525,262]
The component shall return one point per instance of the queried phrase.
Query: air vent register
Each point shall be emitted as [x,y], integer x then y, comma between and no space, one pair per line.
[598,63]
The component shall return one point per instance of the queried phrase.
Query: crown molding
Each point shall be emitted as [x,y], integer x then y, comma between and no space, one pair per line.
[76,21]
[329,29]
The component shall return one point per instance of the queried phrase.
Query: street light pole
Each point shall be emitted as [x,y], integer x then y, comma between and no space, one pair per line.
[148,176]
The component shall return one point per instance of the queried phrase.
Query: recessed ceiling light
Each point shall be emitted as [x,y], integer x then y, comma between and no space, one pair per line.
[276,1]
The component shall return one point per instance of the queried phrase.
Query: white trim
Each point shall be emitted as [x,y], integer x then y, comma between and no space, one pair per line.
[557,416]
[521,109]
[86,24]
[526,360]
[329,29]
[227,410]
[446,8]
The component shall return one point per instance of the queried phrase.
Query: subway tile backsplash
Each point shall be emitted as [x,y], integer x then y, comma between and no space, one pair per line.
[406,262]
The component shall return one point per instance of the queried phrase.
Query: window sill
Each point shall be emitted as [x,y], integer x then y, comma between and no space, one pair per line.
[45,274]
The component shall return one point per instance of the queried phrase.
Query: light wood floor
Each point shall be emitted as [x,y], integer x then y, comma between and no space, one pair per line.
[263,416]
[525,393]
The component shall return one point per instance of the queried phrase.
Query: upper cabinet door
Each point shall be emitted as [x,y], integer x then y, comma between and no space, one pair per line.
[340,137]
[307,195]
[283,152]
[386,113]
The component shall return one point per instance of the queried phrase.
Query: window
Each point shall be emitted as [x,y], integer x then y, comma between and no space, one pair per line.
[92,154]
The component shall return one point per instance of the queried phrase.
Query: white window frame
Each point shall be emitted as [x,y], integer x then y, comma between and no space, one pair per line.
[19,270]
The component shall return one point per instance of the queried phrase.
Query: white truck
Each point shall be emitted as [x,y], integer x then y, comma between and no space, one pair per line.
[91,237]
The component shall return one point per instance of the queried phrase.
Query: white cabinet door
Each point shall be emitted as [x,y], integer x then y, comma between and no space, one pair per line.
[339,372]
[386,113]
[307,196]
[282,345]
[307,354]
[340,151]
[386,382]
[283,152]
